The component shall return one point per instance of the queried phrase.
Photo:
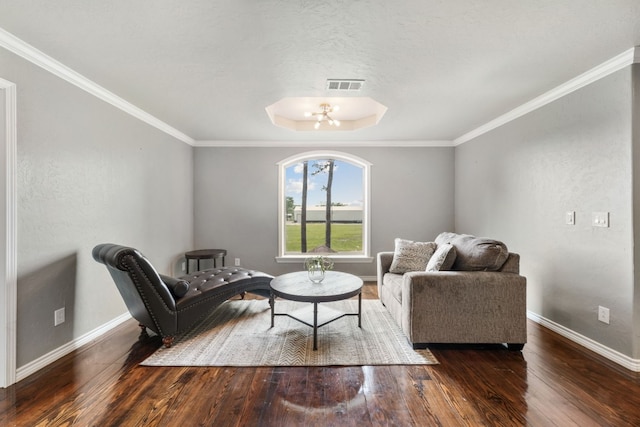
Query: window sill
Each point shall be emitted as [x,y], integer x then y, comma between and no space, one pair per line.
[338,259]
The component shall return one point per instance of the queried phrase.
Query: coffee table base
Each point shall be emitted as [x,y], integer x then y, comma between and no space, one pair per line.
[316,316]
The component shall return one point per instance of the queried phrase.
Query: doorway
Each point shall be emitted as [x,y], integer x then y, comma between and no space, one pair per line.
[8,241]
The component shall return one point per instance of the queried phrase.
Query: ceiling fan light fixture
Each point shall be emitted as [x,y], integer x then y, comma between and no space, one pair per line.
[297,113]
[323,115]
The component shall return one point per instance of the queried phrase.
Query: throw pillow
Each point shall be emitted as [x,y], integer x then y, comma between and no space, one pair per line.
[411,256]
[181,288]
[475,253]
[443,258]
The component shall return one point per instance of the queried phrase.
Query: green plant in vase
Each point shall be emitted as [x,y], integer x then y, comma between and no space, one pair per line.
[316,267]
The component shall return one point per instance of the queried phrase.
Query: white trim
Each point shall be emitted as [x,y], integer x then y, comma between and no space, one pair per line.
[366,209]
[606,68]
[301,144]
[42,60]
[337,259]
[49,358]
[8,287]
[30,53]
[311,155]
[604,351]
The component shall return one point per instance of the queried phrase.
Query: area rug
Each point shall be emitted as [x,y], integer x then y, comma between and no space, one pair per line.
[239,333]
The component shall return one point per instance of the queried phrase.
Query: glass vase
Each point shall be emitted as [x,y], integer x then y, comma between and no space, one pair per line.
[316,273]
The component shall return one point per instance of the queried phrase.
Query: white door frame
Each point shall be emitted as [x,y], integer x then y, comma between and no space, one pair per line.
[8,283]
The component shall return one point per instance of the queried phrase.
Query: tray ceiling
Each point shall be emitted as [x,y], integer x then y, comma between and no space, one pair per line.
[210,68]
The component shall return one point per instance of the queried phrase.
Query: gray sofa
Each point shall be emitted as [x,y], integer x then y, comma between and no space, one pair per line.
[478,296]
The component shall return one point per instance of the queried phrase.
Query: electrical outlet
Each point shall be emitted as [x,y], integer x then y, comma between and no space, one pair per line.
[603,314]
[237,262]
[58,316]
[184,266]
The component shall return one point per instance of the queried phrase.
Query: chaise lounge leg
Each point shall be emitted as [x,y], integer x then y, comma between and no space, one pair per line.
[167,341]
[144,334]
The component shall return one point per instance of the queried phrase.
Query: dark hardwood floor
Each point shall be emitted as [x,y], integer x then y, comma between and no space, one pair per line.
[552,382]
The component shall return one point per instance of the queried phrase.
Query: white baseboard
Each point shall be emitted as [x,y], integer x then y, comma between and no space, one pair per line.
[32,367]
[24,371]
[613,355]
[604,351]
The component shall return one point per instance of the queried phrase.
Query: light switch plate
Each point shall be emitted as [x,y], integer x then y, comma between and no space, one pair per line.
[570,218]
[600,219]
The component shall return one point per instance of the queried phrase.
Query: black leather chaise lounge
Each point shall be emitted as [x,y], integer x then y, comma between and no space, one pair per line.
[170,306]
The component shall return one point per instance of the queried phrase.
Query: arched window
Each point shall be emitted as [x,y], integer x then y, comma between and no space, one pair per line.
[324,206]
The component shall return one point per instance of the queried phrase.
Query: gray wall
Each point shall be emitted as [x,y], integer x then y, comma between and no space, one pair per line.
[516,183]
[88,173]
[236,200]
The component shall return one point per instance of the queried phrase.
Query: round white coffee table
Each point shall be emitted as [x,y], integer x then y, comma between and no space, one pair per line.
[296,286]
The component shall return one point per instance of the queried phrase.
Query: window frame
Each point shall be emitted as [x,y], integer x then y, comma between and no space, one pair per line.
[365,256]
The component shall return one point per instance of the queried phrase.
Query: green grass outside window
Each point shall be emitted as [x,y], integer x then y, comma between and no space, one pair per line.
[344,237]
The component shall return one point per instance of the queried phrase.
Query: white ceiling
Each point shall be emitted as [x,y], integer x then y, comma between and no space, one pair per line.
[442,67]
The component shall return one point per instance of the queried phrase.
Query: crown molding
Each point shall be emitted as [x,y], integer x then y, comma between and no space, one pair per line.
[616,63]
[35,56]
[42,60]
[280,144]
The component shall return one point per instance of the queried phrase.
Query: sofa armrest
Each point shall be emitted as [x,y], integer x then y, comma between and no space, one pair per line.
[383,263]
[465,305]
[459,278]
[512,264]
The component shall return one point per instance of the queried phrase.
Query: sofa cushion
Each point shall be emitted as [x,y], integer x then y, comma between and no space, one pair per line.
[411,256]
[475,253]
[443,258]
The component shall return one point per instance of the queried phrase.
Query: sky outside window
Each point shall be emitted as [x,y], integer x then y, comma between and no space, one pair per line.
[346,188]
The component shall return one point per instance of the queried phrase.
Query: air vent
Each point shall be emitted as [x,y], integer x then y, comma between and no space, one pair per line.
[342,84]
